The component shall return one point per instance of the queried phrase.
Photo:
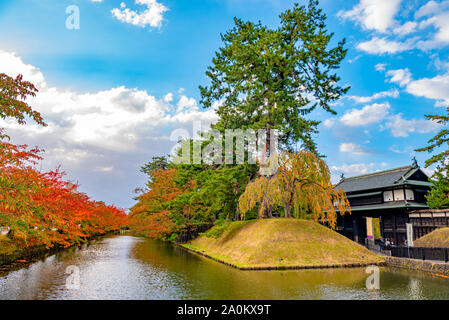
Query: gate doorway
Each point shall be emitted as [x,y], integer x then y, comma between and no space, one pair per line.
[373,234]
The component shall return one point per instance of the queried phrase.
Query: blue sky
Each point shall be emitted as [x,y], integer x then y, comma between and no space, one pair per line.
[113,90]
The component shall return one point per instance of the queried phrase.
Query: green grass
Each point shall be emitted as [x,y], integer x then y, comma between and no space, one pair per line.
[280,242]
[438,238]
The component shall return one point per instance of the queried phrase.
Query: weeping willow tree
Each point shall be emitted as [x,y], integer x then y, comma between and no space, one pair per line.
[302,186]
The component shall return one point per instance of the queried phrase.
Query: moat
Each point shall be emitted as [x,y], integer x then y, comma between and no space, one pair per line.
[127,267]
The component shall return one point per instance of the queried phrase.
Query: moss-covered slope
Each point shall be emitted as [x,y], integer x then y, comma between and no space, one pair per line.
[438,238]
[280,243]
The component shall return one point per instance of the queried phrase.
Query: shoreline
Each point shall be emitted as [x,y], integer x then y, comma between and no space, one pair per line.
[26,256]
[280,267]
[439,269]
[435,268]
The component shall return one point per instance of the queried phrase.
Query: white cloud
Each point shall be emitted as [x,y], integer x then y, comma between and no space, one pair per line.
[395,148]
[116,119]
[400,76]
[373,14]
[111,132]
[437,17]
[104,169]
[355,59]
[352,148]
[329,123]
[401,127]
[380,66]
[430,26]
[441,37]
[406,28]
[369,114]
[186,103]
[168,97]
[436,88]
[68,156]
[428,171]
[151,16]
[13,65]
[382,45]
[393,93]
[438,64]
[354,169]
[431,7]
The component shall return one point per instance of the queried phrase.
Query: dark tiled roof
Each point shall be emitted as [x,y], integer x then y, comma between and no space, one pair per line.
[375,180]
[389,205]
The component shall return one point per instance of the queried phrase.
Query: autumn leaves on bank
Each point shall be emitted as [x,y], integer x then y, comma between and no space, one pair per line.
[41,208]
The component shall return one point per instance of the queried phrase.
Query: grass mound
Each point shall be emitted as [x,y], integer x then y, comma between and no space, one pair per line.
[280,243]
[438,238]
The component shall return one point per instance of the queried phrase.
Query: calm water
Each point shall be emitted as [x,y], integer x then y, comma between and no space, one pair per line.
[126,267]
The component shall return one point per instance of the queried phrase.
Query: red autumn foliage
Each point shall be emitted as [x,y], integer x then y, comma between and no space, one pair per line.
[41,208]
[149,217]
[13,93]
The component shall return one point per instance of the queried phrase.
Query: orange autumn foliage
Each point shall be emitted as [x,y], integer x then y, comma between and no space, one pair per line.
[149,217]
[156,225]
[162,189]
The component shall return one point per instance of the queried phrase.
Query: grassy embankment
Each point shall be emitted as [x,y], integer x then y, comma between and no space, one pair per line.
[438,238]
[7,246]
[11,252]
[280,243]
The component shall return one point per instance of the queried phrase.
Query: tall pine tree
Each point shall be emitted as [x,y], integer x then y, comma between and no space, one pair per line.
[266,78]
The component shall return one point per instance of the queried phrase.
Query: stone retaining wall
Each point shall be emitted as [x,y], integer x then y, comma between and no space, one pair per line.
[420,265]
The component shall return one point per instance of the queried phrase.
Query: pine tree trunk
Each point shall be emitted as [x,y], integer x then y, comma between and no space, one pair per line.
[268,209]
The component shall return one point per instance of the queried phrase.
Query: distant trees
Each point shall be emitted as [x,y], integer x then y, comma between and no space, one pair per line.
[183,197]
[149,216]
[156,163]
[438,197]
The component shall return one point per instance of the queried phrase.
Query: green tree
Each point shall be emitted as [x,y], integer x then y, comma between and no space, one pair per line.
[155,164]
[441,140]
[438,196]
[266,78]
